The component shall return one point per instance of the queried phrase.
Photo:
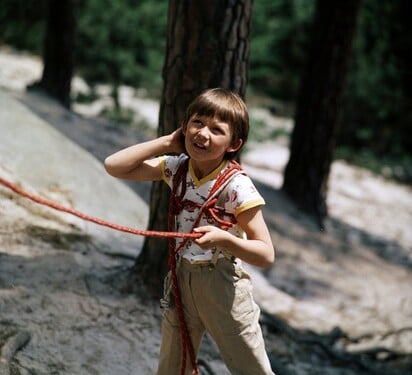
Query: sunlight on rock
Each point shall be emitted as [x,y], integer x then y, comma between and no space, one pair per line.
[42,158]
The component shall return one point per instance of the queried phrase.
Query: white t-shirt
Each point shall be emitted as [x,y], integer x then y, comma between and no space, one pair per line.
[240,195]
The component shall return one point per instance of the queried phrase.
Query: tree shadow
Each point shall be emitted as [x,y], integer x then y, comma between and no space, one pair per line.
[303,252]
[68,294]
[286,220]
[324,353]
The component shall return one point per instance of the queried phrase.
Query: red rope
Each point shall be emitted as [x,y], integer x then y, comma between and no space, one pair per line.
[121,228]
[174,208]
[176,205]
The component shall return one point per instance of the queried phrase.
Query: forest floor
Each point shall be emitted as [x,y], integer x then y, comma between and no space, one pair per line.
[336,301]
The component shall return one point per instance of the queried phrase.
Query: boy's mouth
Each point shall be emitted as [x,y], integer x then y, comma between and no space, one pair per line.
[199,145]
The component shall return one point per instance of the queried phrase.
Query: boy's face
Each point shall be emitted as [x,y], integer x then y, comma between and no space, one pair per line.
[208,139]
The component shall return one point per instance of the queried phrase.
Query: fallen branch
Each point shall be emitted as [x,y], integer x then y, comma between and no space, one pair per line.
[9,349]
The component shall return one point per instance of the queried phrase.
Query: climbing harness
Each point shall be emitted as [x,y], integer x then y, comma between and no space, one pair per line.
[177,204]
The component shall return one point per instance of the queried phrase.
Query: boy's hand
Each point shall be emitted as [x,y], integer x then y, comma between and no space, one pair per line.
[177,141]
[212,236]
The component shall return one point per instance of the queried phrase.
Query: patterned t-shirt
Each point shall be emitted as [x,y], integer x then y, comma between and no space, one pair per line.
[239,195]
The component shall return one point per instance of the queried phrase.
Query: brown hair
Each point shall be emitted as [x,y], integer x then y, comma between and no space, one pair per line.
[226,106]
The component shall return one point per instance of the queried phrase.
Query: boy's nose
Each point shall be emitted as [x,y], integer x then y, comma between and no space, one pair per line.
[203,133]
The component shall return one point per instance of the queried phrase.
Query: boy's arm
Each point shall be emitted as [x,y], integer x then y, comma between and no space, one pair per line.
[257,249]
[139,162]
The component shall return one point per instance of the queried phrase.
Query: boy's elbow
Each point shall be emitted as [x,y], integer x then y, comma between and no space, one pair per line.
[268,260]
[108,165]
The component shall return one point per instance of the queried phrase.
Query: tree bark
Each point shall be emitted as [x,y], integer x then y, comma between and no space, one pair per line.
[207,46]
[59,50]
[317,114]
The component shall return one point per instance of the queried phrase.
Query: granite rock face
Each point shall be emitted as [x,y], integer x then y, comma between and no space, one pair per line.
[41,159]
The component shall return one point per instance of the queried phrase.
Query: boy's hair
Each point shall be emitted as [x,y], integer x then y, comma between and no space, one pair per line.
[226,106]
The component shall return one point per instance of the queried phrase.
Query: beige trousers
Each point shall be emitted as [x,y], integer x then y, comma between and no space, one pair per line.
[217,300]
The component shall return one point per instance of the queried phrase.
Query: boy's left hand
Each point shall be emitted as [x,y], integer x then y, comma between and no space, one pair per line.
[212,236]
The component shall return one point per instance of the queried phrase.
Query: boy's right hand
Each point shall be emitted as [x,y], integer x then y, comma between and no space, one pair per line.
[177,141]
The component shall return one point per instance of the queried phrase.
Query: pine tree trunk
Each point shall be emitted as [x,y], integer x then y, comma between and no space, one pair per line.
[207,46]
[59,51]
[317,114]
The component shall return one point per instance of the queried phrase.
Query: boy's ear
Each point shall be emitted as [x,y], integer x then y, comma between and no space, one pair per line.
[184,127]
[236,145]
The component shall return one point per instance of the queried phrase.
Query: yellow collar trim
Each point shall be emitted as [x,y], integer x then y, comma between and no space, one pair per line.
[211,176]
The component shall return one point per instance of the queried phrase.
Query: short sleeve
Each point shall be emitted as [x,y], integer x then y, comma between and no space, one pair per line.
[241,195]
[169,165]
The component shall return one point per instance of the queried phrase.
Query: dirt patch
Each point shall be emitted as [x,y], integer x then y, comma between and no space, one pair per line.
[55,238]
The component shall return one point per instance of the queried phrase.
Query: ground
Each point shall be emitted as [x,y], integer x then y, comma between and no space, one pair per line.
[336,301]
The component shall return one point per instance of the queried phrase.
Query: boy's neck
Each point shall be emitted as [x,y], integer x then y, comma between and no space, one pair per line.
[203,169]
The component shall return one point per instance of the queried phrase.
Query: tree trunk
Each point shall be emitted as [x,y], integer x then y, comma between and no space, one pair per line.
[317,113]
[59,51]
[207,46]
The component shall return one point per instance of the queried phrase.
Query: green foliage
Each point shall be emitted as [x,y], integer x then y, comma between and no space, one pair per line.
[119,116]
[123,42]
[279,40]
[377,106]
[22,23]
[119,41]
[260,132]
[377,113]
[86,98]
[372,67]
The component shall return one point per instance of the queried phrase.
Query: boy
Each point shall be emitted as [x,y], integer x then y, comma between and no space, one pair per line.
[211,290]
